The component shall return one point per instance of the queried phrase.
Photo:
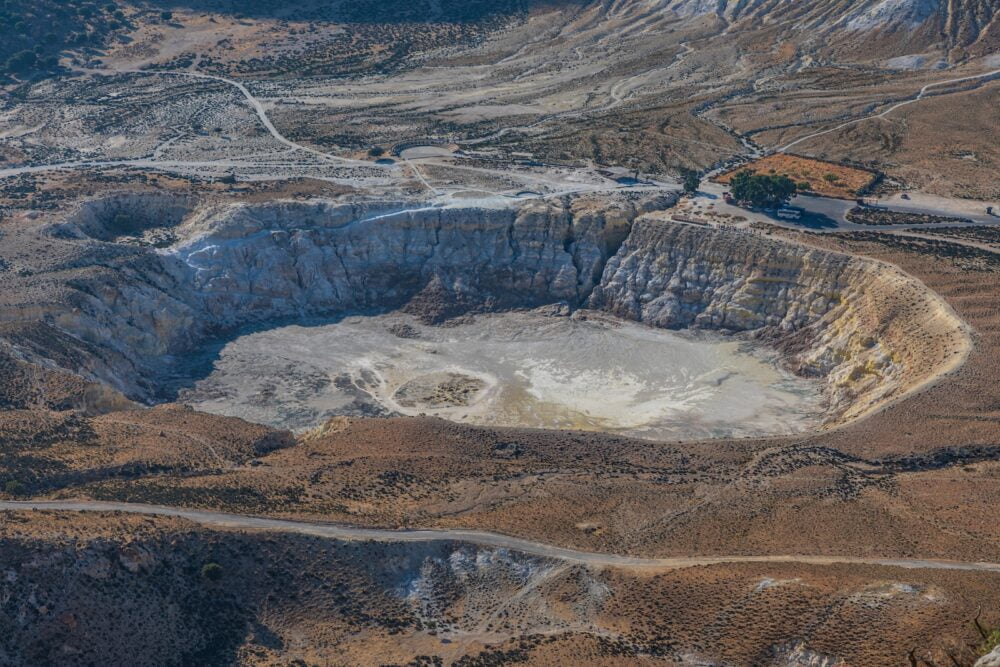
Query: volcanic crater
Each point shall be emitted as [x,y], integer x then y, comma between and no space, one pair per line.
[593,313]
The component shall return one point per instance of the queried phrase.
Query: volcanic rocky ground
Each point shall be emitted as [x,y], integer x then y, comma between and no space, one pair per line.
[101,316]
[182,181]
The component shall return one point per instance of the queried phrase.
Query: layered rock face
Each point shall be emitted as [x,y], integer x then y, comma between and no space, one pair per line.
[677,276]
[121,317]
[251,264]
[867,328]
[879,24]
[125,314]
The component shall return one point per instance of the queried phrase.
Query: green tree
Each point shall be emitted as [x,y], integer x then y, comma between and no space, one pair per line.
[21,61]
[14,488]
[691,180]
[762,189]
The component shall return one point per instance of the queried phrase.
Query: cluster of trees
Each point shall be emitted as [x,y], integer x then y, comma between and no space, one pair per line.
[15,488]
[450,11]
[25,61]
[690,180]
[762,189]
[35,31]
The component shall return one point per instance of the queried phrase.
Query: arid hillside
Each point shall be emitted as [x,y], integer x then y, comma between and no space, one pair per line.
[434,332]
[913,481]
[105,588]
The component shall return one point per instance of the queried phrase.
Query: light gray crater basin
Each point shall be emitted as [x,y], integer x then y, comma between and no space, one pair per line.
[535,369]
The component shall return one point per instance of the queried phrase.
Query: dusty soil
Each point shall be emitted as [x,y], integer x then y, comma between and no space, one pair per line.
[945,145]
[541,98]
[538,369]
[116,586]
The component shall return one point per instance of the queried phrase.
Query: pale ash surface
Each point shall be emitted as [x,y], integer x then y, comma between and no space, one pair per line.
[527,369]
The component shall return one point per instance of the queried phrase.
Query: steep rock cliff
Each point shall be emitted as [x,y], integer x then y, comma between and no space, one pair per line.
[259,263]
[868,329]
[123,316]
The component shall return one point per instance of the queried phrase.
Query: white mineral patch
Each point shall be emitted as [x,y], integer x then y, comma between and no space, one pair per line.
[515,369]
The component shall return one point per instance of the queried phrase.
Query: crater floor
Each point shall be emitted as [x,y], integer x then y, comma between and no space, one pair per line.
[537,369]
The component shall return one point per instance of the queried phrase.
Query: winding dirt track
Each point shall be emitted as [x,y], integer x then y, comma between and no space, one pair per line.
[258,108]
[989,76]
[222,520]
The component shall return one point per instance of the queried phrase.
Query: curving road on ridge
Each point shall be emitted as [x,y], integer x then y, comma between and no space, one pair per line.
[222,520]
[258,108]
[920,95]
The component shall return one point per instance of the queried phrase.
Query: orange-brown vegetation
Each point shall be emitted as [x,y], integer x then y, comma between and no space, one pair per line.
[825,178]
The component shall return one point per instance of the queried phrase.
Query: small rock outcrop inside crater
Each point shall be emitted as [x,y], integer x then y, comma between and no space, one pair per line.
[439,390]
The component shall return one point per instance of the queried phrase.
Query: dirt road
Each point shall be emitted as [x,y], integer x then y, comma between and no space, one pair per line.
[222,520]
[988,76]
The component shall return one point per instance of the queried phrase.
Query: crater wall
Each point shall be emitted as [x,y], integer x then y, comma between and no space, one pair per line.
[128,313]
[871,331]
[124,316]
[251,264]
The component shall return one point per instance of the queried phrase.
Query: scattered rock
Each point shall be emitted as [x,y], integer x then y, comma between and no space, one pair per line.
[991,659]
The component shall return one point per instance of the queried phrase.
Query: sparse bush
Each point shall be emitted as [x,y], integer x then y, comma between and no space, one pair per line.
[166,16]
[21,61]
[991,636]
[991,641]
[211,572]
[15,488]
